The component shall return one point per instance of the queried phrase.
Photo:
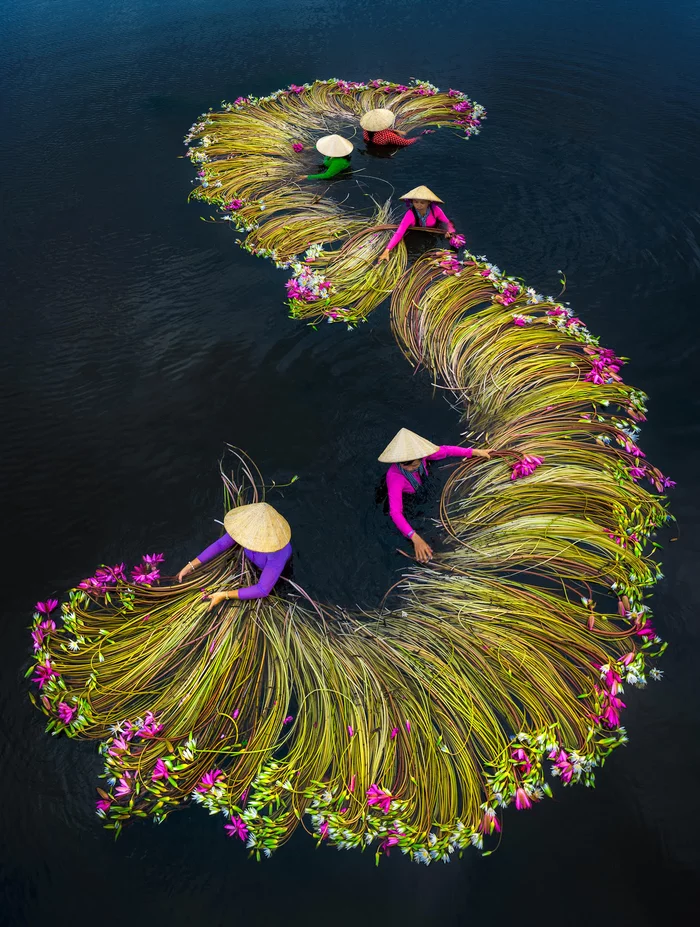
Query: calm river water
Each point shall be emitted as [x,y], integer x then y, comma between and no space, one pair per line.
[136,340]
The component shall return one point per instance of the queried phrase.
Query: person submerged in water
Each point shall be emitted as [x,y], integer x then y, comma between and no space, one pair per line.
[409,455]
[265,538]
[378,129]
[423,212]
[336,151]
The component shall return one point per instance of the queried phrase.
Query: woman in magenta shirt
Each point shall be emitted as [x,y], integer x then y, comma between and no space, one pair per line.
[408,455]
[265,537]
[423,212]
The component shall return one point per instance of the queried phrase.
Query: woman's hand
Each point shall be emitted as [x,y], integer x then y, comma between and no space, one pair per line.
[188,568]
[422,550]
[449,234]
[384,255]
[216,598]
[476,452]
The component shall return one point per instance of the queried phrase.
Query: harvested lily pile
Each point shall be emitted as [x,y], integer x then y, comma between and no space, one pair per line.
[250,156]
[499,672]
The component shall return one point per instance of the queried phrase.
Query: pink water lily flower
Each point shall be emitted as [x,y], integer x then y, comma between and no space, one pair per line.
[522,800]
[66,712]
[153,558]
[237,828]
[160,771]
[118,745]
[351,730]
[44,672]
[323,830]
[391,840]
[102,806]
[47,625]
[124,786]
[489,822]
[234,205]
[526,466]
[150,727]
[394,732]
[37,638]
[46,607]
[209,780]
[144,574]
[288,719]
[379,797]
[457,241]
[298,147]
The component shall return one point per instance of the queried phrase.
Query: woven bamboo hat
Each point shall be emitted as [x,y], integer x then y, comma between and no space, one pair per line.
[421,193]
[377,119]
[334,146]
[407,445]
[258,527]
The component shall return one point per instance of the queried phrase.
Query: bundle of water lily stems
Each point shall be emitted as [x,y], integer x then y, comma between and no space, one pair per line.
[501,667]
[252,155]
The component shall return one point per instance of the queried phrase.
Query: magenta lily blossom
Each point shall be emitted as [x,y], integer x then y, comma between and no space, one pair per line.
[160,771]
[394,732]
[209,780]
[44,672]
[46,607]
[379,797]
[66,712]
[102,806]
[237,828]
[288,719]
[124,786]
[522,800]
[298,147]
[525,467]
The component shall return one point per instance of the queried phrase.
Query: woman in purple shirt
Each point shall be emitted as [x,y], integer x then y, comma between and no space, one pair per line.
[264,536]
[408,455]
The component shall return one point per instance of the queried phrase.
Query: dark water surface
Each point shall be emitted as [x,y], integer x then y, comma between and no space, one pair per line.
[136,340]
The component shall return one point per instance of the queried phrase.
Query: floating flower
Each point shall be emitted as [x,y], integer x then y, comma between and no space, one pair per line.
[298,147]
[394,732]
[160,771]
[288,719]
[124,786]
[44,673]
[144,574]
[102,806]
[66,712]
[237,828]
[525,467]
[150,727]
[522,800]
[153,558]
[379,797]
[323,830]
[234,205]
[351,730]
[209,780]
[46,607]
[457,241]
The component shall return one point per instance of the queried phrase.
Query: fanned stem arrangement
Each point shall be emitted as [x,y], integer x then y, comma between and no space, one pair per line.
[500,668]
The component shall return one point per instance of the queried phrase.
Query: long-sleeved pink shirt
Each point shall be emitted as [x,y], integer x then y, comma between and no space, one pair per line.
[435,215]
[397,484]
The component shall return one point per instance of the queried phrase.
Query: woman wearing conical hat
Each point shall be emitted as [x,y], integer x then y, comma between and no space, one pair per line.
[336,152]
[409,455]
[378,129]
[264,536]
[423,212]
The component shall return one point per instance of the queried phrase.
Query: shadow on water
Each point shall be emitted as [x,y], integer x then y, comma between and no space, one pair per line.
[137,340]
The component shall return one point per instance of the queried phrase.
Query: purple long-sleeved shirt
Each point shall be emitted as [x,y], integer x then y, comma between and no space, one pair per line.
[270,564]
[435,215]
[397,485]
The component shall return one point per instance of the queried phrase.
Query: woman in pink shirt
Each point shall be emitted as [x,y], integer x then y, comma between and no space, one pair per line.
[408,455]
[423,212]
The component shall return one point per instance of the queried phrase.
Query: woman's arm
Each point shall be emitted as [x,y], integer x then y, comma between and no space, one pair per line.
[334,166]
[269,576]
[441,217]
[394,138]
[395,492]
[405,225]
[451,450]
[224,543]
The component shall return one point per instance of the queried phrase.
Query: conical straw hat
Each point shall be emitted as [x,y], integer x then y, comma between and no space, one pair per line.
[421,193]
[258,527]
[407,445]
[377,119]
[334,146]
